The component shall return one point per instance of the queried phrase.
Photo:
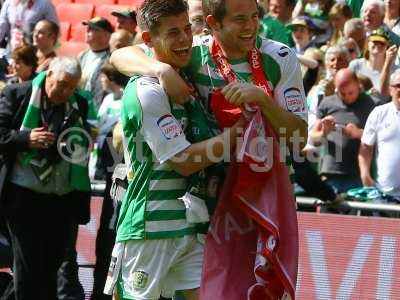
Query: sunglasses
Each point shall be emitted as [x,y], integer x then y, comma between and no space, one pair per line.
[397,85]
[351,50]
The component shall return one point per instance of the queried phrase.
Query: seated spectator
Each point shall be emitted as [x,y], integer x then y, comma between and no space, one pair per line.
[371,65]
[120,38]
[24,64]
[17,19]
[373,12]
[98,35]
[45,35]
[339,126]
[338,15]
[126,19]
[382,133]
[354,28]
[302,29]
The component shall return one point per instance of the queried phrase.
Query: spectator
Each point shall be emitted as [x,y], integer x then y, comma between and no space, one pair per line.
[120,38]
[302,33]
[196,18]
[17,19]
[281,10]
[338,15]
[354,28]
[24,64]
[336,58]
[44,195]
[126,19]
[318,11]
[312,65]
[373,12]
[392,15]
[387,69]
[97,37]
[113,83]
[109,113]
[341,118]
[271,28]
[352,47]
[371,65]
[382,133]
[45,35]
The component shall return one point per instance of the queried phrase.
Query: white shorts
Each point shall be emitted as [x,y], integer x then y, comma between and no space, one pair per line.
[146,269]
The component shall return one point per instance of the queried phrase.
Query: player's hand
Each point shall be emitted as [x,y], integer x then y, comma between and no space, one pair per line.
[243,92]
[179,91]
[40,138]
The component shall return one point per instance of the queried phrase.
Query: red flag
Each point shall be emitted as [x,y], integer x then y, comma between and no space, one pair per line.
[251,251]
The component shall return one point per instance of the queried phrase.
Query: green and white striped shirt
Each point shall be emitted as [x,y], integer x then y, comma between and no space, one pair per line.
[154,133]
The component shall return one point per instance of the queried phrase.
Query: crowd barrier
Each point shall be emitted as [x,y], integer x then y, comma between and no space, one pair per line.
[341,257]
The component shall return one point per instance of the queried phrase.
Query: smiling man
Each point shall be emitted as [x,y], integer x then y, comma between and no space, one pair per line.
[157,251]
[234,25]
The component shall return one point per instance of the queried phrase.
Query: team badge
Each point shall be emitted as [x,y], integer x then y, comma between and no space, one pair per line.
[139,279]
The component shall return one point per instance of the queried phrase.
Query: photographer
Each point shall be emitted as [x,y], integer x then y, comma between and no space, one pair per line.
[44,144]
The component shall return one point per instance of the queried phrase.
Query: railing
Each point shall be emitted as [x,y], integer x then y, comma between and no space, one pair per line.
[99,186]
[363,206]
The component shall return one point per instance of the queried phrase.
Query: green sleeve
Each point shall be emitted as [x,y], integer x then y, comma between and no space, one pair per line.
[355,6]
[272,29]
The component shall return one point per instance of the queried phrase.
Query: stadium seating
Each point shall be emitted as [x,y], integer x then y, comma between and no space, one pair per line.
[97,2]
[105,11]
[74,12]
[56,2]
[71,48]
[65,31]
[131,3]
[78,33]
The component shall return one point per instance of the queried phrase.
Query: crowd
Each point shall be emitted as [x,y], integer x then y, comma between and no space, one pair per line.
[333,65]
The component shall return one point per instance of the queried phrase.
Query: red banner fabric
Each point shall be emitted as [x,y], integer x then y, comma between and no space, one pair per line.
[251,251]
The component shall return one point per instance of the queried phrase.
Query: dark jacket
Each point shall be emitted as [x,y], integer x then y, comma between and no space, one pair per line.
[14,101]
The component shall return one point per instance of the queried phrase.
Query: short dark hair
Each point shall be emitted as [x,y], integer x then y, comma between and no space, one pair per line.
[113,75]
[53,27]
[215,8]
[151,11]
[26,54]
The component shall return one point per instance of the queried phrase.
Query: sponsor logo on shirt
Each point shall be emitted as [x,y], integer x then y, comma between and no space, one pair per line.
[283,51]
[294,100]
[169,126]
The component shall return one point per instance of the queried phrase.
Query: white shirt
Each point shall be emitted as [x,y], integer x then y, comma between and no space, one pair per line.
[383,130]
[160,129]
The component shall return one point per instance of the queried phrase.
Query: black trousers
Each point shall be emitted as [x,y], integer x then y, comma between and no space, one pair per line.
[104,244]
[41,228]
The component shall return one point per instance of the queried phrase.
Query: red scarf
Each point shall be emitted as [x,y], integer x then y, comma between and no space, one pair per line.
[251,251]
